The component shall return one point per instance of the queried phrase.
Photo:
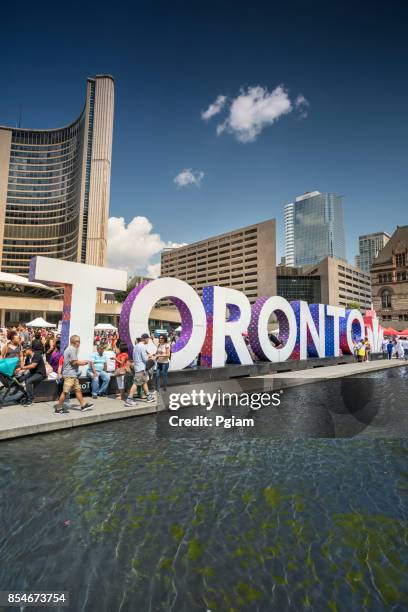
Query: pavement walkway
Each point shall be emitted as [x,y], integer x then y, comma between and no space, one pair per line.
[18,420]
[318,374]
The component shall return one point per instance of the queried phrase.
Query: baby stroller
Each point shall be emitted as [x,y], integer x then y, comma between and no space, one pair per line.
[12,390]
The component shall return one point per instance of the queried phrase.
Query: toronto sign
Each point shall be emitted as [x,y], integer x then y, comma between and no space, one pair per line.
[214,326]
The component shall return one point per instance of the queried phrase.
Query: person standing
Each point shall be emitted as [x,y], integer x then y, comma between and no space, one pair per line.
[55,356]
[49,346]
[405,348]
[140,359]
[70,375]
[162,362]
[384,348]
[390,347]
[400,349]
[25,336]
[367,349]
[355,343]
[121,359]
[38,343]
[361,351]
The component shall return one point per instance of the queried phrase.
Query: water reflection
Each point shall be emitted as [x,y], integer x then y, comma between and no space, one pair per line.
[128,518]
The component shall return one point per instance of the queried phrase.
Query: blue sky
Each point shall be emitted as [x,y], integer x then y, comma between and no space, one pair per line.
[170,61]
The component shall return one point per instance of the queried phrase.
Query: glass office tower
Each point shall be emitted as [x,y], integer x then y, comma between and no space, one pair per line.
[54,186]
[314,228]
[369,247]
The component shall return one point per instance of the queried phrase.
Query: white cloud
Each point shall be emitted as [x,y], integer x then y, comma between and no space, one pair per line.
[256,108]
[214,108]
[153,270]
[132,246]
[302,105]
[189,177]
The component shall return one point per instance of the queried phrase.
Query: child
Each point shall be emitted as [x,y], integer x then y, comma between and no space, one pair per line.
[121,362]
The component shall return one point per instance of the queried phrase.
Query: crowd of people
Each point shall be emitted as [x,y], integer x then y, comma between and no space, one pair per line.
[392,346]
[395,347]
[38,355]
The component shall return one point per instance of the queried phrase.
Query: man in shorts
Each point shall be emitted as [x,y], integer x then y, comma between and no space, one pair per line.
[140,359]
[70,375]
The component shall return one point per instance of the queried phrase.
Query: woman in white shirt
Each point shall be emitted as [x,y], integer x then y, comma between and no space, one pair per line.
[163,354]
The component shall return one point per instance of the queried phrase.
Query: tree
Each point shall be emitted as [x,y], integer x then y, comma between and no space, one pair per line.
[122,295]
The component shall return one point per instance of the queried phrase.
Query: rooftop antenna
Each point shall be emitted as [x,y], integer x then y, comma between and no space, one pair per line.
[20,116]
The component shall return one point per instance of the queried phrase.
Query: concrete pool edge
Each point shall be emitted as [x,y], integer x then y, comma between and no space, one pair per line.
[18,421]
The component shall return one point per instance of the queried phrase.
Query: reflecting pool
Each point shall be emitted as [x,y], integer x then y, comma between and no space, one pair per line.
[126,517]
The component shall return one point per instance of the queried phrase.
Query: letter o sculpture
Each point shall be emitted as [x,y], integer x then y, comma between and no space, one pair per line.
[258,328]
[134,317]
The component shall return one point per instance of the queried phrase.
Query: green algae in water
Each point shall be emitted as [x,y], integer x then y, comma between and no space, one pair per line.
[272,496]
[248,498]
[206,572]
[281,580]
[177,532]
[247,592]
[166,563]
[372,540]
[194,549]
[299,503]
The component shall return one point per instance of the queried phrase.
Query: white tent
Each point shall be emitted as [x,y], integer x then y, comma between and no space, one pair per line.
[40,322]
[178,329]
[105,327]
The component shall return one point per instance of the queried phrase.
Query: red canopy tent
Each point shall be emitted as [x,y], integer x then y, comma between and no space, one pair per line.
[404,332]
[389,331]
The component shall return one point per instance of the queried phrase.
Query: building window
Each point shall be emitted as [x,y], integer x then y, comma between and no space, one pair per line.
[400,260]
[386,299]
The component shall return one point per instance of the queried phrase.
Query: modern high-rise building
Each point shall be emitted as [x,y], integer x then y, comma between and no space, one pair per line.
[55,184]
[369,246]
[314,229]
[289,235]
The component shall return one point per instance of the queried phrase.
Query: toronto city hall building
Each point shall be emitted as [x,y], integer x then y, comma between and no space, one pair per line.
[314,229]
[54,186]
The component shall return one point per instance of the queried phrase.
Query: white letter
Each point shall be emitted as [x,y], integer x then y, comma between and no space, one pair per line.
[352,316]
[258,328]
[80,283]
[134,318]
